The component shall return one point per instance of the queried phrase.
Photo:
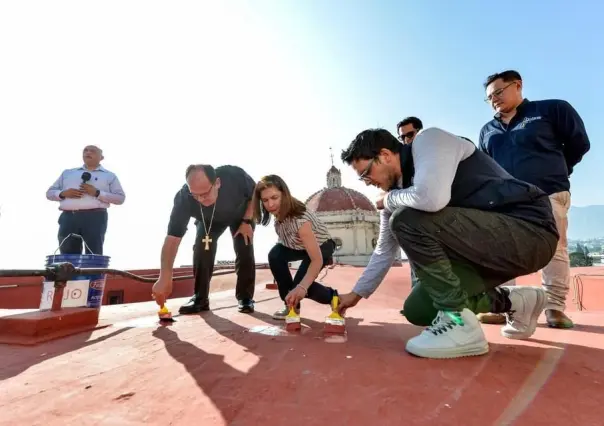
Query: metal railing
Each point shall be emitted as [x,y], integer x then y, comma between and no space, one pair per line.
[577,284]
[60,273]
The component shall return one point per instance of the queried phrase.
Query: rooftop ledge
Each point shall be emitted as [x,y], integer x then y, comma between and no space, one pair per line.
[226,368]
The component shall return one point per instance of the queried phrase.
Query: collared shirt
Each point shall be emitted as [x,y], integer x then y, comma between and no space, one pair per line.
[101,178]
[540,145]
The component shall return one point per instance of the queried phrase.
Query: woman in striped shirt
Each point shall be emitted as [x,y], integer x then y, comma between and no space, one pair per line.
[302,236]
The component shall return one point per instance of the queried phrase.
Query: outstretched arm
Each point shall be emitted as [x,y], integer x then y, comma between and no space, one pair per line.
[379,264]
[381,259]
[177,228]
[311,245]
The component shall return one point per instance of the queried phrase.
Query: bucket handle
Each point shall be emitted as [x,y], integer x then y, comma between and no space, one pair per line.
[65,239]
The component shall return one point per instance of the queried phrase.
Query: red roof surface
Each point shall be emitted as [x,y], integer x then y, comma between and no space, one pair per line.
[339,198]
[227,368]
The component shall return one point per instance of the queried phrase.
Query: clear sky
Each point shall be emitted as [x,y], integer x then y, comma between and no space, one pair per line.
[266,85]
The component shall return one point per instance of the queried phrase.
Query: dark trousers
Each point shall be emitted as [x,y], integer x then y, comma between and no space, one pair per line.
[414,280]
[280,256]
[461,255]
[90,224]
[203,262]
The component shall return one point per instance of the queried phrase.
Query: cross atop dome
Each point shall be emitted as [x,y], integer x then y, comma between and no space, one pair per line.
[334,176]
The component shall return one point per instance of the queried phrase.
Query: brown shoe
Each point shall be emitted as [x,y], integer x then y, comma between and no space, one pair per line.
[558,319]
[491,318]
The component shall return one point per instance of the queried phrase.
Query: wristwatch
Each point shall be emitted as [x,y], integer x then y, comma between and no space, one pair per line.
[248,221]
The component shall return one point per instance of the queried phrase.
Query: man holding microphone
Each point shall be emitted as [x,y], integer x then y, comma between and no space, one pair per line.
[84,195]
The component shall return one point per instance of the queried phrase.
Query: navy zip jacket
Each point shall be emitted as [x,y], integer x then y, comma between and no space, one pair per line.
[540,145]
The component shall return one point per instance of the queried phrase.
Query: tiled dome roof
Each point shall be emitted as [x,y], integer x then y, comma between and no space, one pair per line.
[337,199]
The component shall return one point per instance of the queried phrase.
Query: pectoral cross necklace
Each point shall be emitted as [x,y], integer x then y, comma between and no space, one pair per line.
[207,240]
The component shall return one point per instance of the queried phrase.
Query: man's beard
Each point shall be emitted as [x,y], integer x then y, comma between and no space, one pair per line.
[392,179]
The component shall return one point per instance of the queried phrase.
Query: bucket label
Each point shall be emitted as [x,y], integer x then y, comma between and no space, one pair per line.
[74,294]
[95,293]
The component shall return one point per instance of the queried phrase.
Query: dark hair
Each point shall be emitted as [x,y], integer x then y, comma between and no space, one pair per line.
[368,144]
[506,76]
[414,121]
[205,168]
[290,206]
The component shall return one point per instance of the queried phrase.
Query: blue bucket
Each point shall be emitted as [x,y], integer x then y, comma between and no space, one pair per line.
[96,283]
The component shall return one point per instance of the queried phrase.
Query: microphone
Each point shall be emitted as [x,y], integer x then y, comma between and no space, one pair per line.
[86,177]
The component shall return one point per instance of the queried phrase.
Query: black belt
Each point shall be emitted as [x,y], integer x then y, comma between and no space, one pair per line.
[84,210]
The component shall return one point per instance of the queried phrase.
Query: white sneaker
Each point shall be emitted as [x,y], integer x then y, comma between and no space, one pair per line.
[527,305]
[451,335]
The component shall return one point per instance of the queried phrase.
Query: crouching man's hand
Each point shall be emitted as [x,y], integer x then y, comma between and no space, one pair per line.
[348,300]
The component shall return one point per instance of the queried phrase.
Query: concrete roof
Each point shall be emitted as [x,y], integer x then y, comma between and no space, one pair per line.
[223,367]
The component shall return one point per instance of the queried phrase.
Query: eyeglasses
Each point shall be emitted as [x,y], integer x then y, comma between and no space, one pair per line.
[363,176]
[497,93]
[204,195]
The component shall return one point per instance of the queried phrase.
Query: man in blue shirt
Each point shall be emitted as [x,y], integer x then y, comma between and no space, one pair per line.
[84,195]
[539,142]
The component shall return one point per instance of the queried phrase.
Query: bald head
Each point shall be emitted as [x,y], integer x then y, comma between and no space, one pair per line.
[203,183]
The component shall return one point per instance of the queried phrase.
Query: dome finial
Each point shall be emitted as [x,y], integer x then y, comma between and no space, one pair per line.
[334,177]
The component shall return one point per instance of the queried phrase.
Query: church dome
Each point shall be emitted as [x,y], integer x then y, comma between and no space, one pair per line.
[338,199]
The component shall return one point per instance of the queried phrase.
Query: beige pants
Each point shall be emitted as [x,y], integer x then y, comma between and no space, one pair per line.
[555,277]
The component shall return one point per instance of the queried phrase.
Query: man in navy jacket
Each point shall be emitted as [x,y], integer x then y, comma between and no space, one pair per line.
[539,142]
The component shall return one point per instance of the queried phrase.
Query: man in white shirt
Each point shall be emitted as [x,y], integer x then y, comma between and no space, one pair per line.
[466,225]
[84,195]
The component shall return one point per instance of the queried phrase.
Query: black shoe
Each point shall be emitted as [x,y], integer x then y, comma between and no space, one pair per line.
[246,306]
[195,305]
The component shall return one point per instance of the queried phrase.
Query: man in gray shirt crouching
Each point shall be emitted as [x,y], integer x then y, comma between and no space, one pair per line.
[466,225]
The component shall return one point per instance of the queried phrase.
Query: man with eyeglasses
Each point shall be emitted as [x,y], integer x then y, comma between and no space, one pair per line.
[218,198]
[466,225]
[408,128]
[539,142]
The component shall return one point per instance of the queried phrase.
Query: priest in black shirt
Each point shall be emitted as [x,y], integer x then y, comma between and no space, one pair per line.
[218,199]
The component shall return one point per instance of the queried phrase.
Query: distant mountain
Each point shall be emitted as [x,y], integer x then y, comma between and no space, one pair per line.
[585,222]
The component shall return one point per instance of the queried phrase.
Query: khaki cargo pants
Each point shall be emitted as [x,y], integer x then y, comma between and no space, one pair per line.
[555,277]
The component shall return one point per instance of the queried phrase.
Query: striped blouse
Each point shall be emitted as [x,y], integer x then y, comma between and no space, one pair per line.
[287,231]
